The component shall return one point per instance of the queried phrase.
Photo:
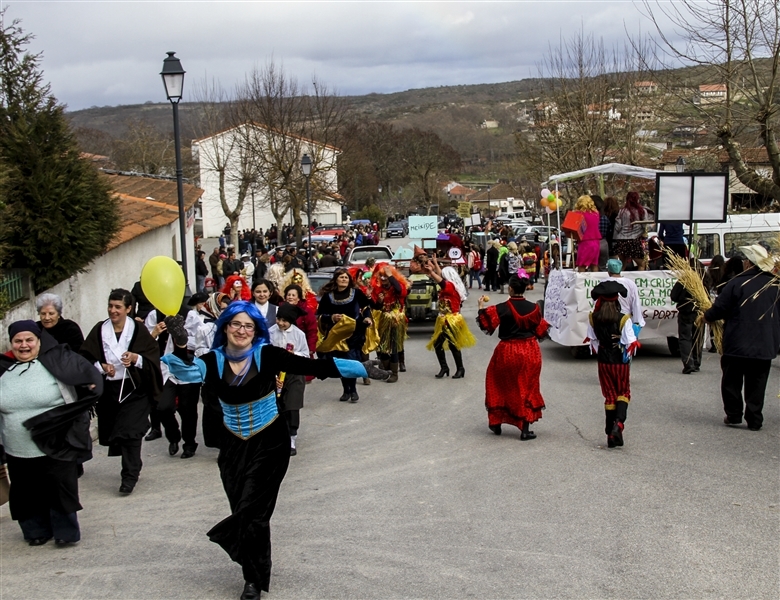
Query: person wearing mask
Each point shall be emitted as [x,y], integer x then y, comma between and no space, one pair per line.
[630,303]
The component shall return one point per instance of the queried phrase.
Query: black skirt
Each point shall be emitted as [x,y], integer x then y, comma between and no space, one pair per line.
[252,471]
[41,484]
[127,420]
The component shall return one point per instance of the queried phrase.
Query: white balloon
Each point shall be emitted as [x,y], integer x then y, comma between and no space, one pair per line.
[545,193]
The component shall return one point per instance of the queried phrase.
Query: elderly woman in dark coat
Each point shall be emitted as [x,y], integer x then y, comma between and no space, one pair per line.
[45,431]
[64,331]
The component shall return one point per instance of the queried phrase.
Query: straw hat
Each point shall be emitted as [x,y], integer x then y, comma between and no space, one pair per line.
[758,255]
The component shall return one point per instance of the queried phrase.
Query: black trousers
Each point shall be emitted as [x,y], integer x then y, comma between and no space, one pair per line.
[691,343]
[754,375]
[490,282]
[130,451]
[44,497]
[182,398]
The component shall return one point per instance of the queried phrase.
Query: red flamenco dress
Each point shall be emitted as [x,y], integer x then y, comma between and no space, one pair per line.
[512,392]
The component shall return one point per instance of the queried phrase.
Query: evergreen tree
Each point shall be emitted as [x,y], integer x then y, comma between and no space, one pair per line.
[59,211]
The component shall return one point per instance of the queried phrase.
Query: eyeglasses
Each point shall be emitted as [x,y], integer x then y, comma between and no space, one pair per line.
[235,326]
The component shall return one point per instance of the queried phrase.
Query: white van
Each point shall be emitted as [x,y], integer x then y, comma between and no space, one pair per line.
[738,230]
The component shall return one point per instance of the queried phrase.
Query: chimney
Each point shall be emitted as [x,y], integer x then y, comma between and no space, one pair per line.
[669,145]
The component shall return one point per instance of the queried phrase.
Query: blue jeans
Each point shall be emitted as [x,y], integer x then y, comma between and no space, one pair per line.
[474,274]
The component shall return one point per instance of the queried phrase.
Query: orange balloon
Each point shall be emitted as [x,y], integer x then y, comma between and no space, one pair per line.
[544,202]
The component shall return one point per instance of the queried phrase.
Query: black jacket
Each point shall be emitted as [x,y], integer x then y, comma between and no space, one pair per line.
[63,432]
[750,305]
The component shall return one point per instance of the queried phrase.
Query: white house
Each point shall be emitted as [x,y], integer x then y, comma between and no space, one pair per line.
[226,152]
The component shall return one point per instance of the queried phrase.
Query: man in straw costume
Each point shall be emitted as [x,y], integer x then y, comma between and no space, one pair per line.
[750,306]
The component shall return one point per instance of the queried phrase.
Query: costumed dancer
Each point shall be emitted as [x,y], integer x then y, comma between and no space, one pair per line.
[284,334]
[236,288]
[125,352]
[451,331]
[46,393]
[389,290]
[242,370]
[299,278]
[343,318]
[611,337]
[512,393]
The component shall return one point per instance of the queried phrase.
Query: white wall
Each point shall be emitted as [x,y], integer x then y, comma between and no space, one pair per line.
[85,295]
[214,218]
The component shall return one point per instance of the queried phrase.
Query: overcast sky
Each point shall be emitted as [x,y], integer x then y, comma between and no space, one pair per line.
[111,52]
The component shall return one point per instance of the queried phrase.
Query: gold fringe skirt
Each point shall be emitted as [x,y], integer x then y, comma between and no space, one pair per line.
[456,332]
[392,327]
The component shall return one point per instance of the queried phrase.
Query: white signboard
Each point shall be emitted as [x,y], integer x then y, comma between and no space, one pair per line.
[423,227]
[567,304]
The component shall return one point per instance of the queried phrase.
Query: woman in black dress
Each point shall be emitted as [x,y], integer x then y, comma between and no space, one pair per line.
[241,370]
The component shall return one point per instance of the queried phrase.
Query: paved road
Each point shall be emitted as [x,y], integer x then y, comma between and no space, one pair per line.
[406,494]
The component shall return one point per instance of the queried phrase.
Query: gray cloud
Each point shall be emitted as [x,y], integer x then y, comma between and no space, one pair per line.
[98,53]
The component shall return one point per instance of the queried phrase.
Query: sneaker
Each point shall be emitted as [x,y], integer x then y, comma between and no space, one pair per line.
[353,397]
[610,441]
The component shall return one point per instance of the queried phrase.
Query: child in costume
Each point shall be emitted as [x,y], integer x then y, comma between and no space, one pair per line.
[611,337]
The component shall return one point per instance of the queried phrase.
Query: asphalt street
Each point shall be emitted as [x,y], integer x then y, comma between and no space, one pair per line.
[407,494]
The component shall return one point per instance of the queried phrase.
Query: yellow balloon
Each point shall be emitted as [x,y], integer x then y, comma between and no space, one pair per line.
[162,281]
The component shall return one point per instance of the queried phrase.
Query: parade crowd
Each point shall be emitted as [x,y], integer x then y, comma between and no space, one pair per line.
[246,345]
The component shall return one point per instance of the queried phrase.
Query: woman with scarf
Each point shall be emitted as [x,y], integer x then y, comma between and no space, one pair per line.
[46,392]
[512,393]
[389,290]
[343,316]
[129,358]
[242,370]
[451,331]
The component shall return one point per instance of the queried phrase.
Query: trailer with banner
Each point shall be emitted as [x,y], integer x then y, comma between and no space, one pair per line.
[567,303]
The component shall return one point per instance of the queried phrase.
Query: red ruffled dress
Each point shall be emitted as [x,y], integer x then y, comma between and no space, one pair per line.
[512,393]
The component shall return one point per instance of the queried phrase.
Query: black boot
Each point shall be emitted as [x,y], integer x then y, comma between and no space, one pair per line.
[460,371]
[609,423]
[445,370]
[525,433]
[402,361]
[621,410]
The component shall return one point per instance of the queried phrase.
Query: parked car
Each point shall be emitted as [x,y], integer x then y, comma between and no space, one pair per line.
[421,303]
[319,278]
[331,230]
[396,229]
[359,254]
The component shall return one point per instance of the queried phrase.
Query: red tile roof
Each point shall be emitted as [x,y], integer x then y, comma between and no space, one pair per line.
[146,203]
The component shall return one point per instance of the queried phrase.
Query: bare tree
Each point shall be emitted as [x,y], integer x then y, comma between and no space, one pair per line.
[287,122]
[588,111]
[739,42]
[222,152]
[428,161]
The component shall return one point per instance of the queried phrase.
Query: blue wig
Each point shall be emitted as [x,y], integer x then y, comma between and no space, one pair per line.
[234,308]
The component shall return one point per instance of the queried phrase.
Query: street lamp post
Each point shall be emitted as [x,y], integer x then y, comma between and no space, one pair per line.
[679,166]
[306,168]
[173,80]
